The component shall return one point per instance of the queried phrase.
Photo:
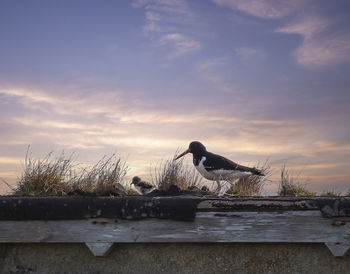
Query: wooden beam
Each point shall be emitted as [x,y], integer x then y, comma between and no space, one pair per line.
[259,227]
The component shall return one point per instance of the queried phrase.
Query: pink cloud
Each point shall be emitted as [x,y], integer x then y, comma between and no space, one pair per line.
[320,46]
[169,23]
[268,9]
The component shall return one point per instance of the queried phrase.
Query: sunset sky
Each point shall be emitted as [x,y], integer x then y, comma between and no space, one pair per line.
[253,80]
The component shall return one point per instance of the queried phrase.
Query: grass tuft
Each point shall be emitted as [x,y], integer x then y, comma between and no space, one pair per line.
[289,187]
[102,177]
[251,185]
[330,193]
[57,176]
[45,177]
[171,172]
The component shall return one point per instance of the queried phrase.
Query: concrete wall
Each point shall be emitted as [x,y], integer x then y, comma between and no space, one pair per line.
[172,258]
[174,235]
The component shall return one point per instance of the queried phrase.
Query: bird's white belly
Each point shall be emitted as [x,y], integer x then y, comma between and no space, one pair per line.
[205,173]
[142,190]
[139,190]
[220,174]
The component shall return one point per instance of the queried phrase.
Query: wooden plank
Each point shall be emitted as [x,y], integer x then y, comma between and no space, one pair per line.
[288,226]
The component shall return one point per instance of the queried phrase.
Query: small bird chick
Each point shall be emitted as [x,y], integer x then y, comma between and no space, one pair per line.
[142,187]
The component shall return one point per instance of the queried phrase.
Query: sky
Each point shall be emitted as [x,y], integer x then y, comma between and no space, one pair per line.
[253,80]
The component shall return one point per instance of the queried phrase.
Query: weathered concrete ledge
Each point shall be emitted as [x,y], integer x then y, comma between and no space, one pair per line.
[85,207]
[328,206]
[99,222]
[181,208]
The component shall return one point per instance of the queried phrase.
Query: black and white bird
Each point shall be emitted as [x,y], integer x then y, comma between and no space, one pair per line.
[215,167]
[142,187]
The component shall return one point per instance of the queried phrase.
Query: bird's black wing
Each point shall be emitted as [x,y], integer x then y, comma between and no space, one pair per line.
[145,185]
[216,162]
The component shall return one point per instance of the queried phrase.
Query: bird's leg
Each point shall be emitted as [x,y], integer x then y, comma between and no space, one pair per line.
[219,186]
[229,184]
[226,186]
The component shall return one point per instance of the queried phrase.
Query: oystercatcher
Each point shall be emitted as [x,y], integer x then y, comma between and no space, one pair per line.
[215,167]
[141,186]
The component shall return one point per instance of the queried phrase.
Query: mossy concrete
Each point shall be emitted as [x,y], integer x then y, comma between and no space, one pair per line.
[173,258]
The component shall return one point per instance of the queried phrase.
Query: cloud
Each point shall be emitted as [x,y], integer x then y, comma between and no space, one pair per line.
[10,160]
[211,71]
[29,96]
[96,122]
[163,16]
[100,123]
[307,26]
[268,9]
[248,53]
[212,63]
[321,46]
[170,23]
[181,44]
[65,104]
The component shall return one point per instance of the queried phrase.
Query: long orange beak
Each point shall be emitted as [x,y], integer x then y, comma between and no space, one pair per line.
[182,154]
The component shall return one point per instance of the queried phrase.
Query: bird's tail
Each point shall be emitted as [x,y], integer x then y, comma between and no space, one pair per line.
[258,172]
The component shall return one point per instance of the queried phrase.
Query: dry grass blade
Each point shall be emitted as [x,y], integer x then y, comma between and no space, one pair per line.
[289,187]
[103,176]
[331,193]
[251,185]
[171,172]
[45,177]
[59,176]
[8,185]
